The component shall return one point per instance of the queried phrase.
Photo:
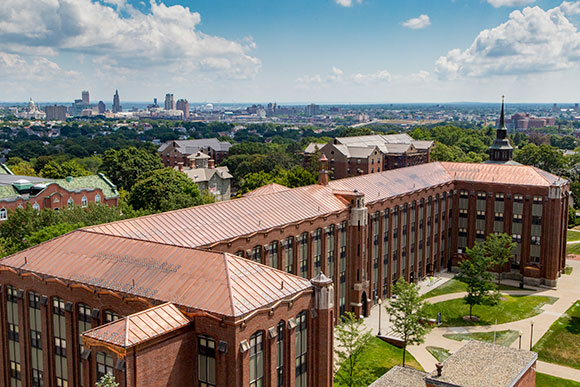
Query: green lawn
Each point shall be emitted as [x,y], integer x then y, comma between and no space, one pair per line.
[512,308]
[379,357]
[573,248]
[454,286]
[568,270]
[573,235]
[502,337]
[439,353]
[543,380]
[561,344]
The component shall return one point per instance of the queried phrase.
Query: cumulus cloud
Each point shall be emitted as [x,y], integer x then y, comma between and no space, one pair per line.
[337,76]
[418,23]
[531,41]
[509,3]
[348,3]
[379,76]
[38,69]
[163,36]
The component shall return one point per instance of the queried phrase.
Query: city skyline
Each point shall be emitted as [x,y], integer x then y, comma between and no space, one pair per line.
[331,51]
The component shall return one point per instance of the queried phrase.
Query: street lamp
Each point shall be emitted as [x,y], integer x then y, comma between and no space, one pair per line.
[531,334]
[380,302]
[520,334]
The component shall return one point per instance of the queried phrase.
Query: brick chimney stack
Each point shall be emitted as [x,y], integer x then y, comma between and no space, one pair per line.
[211,164]
[323,173]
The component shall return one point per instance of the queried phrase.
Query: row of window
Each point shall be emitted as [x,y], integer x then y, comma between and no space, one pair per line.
[499,197]
[36,206]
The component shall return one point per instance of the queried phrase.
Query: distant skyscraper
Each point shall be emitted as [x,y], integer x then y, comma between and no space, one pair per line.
[311,110]
[117,103]
[101,107]
[183,105]
[169,103]
[55,113]
[85,97]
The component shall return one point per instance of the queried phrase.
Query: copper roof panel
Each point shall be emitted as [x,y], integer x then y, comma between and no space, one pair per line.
[500,173]
[215,282]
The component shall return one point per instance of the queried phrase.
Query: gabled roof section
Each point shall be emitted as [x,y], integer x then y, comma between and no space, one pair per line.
[192,146]
[140,327]
[217,283]
[267,189]
[311,148]
[204,225]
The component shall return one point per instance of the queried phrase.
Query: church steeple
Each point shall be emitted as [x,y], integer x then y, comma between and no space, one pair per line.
[501,150]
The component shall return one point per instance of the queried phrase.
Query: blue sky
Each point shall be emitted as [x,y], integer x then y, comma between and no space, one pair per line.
[333,51]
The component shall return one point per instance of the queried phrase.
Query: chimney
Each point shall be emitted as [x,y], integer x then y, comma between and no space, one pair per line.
[323,173]
[211,164]
[439,369]
[180,167]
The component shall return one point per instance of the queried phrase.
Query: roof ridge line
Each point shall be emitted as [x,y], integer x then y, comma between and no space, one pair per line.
[229,280]
[139,240]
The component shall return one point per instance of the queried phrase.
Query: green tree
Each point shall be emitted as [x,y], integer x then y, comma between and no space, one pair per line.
[107,380]
[297,177]
[164,190]
[407,314]
[125,166]
[545,157]
[571,217]
[56,170]
[50,232]
[20,167]
[351,340]
[474,272]
[499,248]
[255,180]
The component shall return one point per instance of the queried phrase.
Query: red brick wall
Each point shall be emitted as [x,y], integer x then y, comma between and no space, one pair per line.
[528,379]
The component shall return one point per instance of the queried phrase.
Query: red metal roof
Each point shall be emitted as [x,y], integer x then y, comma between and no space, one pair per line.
[218,283]
[267,189]
[140,327]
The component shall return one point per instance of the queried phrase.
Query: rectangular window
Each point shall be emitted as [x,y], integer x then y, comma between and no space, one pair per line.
[517,238]
[480,215]
[13,336]
[104,364]
[111,316]
[303,254]
[256,254]
[342,279]
[517,218]
[84,319]
[537,220]
[59,334]
[385,251]
[289,255]
[273,254]
[280,354]
[317,245]
[206,362]
[35,338]
[499,197]
[498,217]
[330,240]
[537,200]
[518,198]
[257,360]
[301,349]
[535,240]
[463,213]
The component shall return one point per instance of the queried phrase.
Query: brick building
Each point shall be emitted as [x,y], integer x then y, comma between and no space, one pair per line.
[178,151]
[18,191]
[361,155]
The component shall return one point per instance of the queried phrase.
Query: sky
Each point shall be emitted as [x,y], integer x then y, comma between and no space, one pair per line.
[298,51]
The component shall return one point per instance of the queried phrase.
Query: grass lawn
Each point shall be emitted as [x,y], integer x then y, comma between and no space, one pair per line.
[561,344]
[568,270]
[454,286]
[543,380]
[379,357]
[502,337]
[573,235]
[573,248]
[512,308]
[439,353]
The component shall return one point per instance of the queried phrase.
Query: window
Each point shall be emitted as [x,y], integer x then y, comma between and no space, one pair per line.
[59,322]
[256,254]
[206,361]
[480,215]
[13,336]
[303,254]
[537,200]
[462,231]
[498,217]
[240,253]
[537,220]
[36,207]
[479,234]
[273,254]
[104,364]
[499,197]
[481,196]
[111,316]
[535,240]
[35,338]
[516,238]
[3,214]
[462,213]
[70,203]
[97,198]
[257,360]
[301,349]
[464,194]
[330,250]
[84,320]
[288,255]
[280,354]
[342,279]
[317,250]
[518,198]
[517,218]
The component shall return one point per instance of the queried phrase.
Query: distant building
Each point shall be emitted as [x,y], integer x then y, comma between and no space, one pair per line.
[183,105]
[55,113]
[31,111]
[85,97]
[174,152]
[475,364]
[117,103]
[360,155]
[312,110]
[169,103]
[202,170]
[101,107]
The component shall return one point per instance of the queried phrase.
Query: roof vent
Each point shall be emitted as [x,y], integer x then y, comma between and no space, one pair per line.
[69,179]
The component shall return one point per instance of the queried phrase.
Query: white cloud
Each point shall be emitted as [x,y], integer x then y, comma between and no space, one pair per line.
[38,69]
[418,23]
[509,3]
[348,3]
[379,76]
[163,37]
[531,41]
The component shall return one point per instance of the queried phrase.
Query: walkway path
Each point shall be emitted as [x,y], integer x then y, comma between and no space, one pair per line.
[568,292]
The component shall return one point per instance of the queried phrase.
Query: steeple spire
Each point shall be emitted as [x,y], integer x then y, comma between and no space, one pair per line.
[502,115]
[501,150]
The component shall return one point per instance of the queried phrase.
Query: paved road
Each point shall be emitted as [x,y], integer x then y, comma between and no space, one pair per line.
[568,292]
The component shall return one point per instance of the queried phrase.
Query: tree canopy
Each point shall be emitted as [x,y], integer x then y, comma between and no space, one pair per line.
[125,166]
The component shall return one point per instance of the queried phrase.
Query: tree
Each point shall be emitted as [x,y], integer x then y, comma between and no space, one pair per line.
[56,170]
[164,190]
[125,166]
[297,177]
[499,248]
[407,314]
[474,272]
[254,180]
[352,339]
[107,380]
[20,167]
